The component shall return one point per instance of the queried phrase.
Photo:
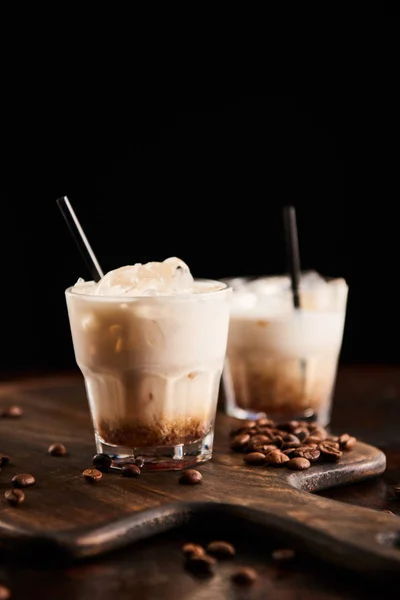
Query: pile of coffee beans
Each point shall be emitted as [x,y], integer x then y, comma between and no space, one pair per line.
[203,560]
[295,445]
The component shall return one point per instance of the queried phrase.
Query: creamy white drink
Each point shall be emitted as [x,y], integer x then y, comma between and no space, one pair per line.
[150,342]
[282,361]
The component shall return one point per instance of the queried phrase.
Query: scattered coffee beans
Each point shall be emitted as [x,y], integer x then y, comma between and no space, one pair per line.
[5,592]
[190,477]
[201,564]
[221,549]
[57,450]
[4,460]
[298,464]
[102,462]
[254,458]
[244,575]
[92,475]
[14,497]
[295,445]
[12,412]
[23,480]
[191,550]
[130,471]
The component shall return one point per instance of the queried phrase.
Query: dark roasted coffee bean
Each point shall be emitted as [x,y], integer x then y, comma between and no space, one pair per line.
[102,462]
[200,564]
[14,496]
[5,592]
[319,431]
[301,433]
[277,440]
[130,471]
[264,422]
[309,453]
[276,458]
[260,439]
[12,412]
[283,554]
[312,446]
[291,440]
[191,550]
[289,451]
[239,442]
[290,426]
[298,464]
[4,459]
[314,439]
[92,475]
[329,451]
[254,458]
[264,448]
[190,477]
[347,442]
[57,450]
[244,575]
[23,480]
[221,549]
[396,491]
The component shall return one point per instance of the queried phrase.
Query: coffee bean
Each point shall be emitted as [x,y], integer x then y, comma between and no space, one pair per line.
[191,550]
[277,441]
[244,428]
[309,453]
[130,471]
[329,451]
[289,452]
[289,427]
[310,446]
[298,464]
[102,462]
[314,439]
[347,442]
[4,460]
[23,480]
[190,477]
[221,549]
[92,475]
[264,422]
[254,458]
[239,442]
[283,554]
[244,575]
[12,412]
[264,448]
[57,450]
[332,438]
[290,441]
[396,491]
[200,564]
[260,439]
[276,458]
[301,433]
[14,496]
[5,592]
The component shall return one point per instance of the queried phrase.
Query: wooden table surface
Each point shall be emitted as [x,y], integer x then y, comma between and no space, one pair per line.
[367,405]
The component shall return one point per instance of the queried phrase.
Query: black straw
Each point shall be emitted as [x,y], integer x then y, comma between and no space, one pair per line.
[80,238]
[292,250]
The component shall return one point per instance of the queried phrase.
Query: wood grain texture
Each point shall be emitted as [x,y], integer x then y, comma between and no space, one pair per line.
[66,516]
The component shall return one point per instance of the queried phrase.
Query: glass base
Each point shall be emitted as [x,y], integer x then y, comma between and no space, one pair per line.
[306,415]
[159,458]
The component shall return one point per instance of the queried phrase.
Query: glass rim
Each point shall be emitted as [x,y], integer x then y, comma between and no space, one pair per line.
[224,286]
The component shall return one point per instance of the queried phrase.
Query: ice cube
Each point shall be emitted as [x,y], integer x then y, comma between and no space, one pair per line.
[154,278]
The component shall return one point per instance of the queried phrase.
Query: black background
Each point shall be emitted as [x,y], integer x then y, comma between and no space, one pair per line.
[203,178]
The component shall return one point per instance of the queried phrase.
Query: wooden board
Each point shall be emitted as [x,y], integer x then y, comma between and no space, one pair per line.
[70,518]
